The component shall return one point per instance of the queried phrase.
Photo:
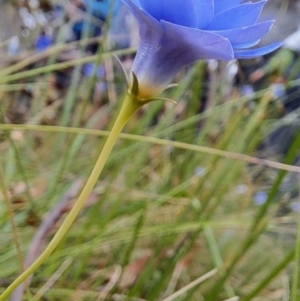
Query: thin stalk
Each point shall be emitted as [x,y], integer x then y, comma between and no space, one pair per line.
[153,140]
[10,215]
[295,279]
[129,107]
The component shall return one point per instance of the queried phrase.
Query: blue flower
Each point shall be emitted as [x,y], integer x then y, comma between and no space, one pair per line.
[176,33]
[42,42]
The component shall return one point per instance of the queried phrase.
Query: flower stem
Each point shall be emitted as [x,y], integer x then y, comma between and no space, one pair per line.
[129,107]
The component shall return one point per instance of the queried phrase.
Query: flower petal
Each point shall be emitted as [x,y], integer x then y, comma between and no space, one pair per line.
[240,16]
[251,53]
[200,44]
[180,46]
[205,12]
[174,11]
[150,32]
[248,34]
[148,26]
[222,5]
[245,45]
[136,2]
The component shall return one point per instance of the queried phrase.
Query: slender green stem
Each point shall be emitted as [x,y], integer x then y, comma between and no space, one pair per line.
[129,107]
[295,279]
[10,215]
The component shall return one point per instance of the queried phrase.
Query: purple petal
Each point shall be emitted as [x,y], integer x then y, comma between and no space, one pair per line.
[174,11]
[251,53]
[222,5]
[205,12]
[179,46]
[245,45]
[197,43]
[136,2]
[148,26]
[247,34]
[240,16]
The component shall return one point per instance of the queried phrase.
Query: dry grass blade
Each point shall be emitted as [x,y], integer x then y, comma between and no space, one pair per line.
[192,285]
[51,281]
[164,142]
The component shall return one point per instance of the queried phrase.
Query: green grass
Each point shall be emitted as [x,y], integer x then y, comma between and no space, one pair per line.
[154,225]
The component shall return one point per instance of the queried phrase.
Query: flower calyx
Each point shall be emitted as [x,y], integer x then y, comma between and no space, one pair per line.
[134,93]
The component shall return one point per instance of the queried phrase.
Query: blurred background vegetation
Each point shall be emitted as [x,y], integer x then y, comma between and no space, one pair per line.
[198,201]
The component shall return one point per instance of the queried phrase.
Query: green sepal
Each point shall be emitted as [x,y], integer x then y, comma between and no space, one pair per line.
[145,101]
[135,87]
[134,92]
